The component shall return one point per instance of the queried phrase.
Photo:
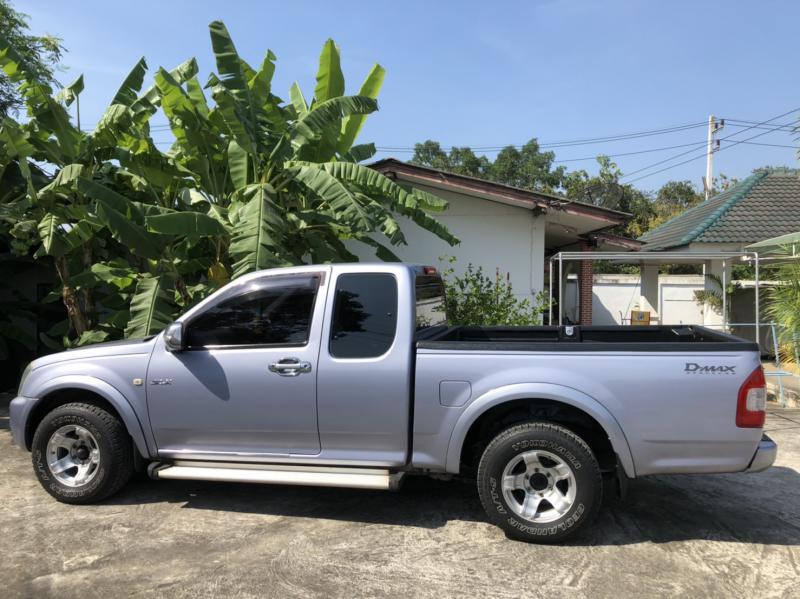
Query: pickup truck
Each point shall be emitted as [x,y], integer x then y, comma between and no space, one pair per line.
[348,375]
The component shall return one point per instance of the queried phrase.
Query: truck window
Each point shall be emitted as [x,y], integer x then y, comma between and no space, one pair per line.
[277,311]
[430,304]
[364,315]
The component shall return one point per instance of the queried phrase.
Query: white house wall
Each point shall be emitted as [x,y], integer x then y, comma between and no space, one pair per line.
[492,235]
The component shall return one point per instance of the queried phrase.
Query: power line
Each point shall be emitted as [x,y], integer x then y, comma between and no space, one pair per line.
[622,137]
[735,143]
[566,143]
[741,123]
[695,144]
[651,150]
[665,160]
[755,143]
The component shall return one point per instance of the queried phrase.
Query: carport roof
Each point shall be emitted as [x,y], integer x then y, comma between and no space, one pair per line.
[764,205]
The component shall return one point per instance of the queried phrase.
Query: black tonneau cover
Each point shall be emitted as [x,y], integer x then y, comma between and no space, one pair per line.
[678,338]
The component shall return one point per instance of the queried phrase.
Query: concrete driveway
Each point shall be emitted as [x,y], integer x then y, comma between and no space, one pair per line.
[709,536]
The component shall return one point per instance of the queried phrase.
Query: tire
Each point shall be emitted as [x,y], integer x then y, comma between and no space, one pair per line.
[82,453]
[539,482]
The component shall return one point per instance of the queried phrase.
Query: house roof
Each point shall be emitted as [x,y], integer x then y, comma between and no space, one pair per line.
[764,205]
[498,191]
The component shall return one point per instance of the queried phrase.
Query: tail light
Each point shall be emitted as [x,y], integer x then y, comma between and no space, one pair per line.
[752,404]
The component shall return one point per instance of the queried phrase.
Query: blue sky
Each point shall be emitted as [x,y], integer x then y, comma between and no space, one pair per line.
[489,73]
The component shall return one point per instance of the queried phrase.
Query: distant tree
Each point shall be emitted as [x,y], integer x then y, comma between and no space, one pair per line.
[606,190]
[674,198]
[723,183]
[41,55]
[526,167]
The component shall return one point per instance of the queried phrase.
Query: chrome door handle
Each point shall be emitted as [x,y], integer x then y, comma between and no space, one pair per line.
[290,367]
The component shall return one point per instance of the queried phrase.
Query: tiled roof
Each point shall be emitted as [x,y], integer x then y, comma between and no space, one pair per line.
[764,205]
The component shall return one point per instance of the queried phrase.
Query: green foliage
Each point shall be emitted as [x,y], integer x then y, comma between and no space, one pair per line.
[713,297]
[783,306]
[136,235]
[527,167]
[39,55]
[606,190]
[476,299]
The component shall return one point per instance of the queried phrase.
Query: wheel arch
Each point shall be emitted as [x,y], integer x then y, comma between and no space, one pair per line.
[67,389]
[508,404]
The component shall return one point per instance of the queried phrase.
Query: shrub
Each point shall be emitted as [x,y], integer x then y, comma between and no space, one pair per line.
[474,298]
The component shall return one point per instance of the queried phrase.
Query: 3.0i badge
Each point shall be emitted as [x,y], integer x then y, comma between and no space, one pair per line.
[161,382]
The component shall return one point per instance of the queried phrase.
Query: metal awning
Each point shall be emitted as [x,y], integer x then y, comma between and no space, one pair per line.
[784,247]
[660,258]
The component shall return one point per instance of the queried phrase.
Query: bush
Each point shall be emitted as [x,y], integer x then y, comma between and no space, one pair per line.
[475,299]
[784,308]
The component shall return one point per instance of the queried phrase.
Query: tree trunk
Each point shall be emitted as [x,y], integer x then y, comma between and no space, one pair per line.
[77,318]
[88,294]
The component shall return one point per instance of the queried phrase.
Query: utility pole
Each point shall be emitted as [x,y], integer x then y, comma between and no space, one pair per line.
[711,147]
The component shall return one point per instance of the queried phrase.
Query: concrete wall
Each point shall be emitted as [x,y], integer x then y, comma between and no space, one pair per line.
[492,235]
[616,295]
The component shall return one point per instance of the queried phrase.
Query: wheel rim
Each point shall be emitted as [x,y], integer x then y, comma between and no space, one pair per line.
[73,456]
[539,486]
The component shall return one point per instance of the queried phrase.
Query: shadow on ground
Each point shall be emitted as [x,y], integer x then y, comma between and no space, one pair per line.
[663,509]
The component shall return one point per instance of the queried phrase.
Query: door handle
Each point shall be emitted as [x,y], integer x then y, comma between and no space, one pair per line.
[290,367]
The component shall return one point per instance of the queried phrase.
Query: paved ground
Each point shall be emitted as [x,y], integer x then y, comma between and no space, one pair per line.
[709,536]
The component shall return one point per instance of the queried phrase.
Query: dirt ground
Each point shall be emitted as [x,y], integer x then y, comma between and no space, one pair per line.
[704,536]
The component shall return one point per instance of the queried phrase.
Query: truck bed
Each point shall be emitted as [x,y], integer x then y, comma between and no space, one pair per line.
[677,338]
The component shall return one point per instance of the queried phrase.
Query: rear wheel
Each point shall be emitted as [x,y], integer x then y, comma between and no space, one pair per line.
[539,482]
[82,453]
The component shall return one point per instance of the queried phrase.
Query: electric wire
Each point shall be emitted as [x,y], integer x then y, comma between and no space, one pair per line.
[679,155]
[703,155]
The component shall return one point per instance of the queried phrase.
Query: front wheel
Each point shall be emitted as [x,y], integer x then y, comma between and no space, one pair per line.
[82,453]
[539,482]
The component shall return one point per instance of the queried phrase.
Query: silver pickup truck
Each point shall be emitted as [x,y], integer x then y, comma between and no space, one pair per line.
[348,375]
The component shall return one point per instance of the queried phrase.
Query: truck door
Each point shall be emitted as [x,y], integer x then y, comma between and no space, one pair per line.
[245,386]
[365,367]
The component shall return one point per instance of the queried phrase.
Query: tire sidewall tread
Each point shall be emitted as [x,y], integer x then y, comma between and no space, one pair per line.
[114,443]
[555,439]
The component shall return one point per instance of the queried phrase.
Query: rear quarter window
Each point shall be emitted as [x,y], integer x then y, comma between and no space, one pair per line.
[430,301]
[364,315]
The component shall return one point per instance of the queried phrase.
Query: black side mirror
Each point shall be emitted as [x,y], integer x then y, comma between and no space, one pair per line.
[173,337]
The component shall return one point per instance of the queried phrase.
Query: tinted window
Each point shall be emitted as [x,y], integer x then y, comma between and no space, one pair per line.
[364,316]
[430,301]
[275,312]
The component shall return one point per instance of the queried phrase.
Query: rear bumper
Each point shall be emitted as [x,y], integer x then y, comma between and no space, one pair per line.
[765,455]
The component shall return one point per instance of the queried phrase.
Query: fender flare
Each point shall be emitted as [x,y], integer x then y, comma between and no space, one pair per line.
[107,392]
[561,393]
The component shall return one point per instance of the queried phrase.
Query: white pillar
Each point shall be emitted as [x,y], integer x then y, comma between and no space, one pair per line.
[713,316]
[648,299]
[537,254]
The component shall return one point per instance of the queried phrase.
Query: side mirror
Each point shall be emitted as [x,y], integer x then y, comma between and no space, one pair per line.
[173,337]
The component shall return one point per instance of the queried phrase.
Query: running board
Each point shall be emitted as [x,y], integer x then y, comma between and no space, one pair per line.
[354,478]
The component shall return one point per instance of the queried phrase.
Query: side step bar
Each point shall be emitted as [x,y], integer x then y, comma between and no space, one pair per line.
[354,478]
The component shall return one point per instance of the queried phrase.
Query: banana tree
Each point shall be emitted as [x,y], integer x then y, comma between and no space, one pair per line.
[136,234]
[107,219]
[286,175]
